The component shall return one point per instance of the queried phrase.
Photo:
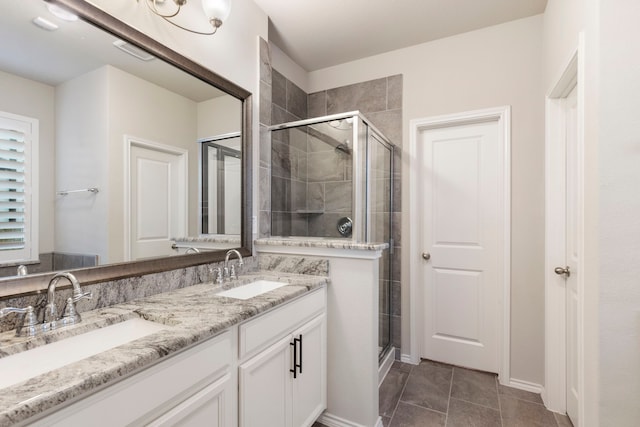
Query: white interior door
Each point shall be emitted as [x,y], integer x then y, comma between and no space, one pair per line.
[460,231]
[158,200]
[572,253]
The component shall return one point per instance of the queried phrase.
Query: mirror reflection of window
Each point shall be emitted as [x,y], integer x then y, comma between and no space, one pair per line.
[220,180]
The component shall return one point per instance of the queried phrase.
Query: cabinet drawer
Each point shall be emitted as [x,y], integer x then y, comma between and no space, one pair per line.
[258,333]
[148,394]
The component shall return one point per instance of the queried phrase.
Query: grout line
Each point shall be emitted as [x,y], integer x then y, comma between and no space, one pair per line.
[393,414]
[425,408]
[477,404]
[446,417]
[499,402]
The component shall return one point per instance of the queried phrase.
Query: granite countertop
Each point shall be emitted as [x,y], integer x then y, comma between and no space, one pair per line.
[320,242]
[192,314]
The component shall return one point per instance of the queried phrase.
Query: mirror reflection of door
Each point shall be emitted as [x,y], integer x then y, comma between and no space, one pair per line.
[221,184]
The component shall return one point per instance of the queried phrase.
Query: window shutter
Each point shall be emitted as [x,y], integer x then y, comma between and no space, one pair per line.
[12,189]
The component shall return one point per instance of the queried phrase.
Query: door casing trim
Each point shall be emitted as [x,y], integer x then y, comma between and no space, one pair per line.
[129,143]
[554,393]
[501,115]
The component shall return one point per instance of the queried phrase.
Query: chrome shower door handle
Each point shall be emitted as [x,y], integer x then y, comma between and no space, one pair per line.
[562,270]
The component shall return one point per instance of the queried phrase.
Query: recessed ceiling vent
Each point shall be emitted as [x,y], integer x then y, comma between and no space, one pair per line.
[133,50]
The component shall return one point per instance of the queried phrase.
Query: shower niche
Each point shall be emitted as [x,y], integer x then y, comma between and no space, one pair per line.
[332,178]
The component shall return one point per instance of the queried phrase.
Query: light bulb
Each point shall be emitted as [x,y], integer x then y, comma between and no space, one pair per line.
[217,11]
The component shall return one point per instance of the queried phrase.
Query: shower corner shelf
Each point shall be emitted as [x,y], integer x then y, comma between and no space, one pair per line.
[310,211]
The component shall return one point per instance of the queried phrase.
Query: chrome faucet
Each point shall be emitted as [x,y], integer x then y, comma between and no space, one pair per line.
[28,322]
[229,272]
[70,315]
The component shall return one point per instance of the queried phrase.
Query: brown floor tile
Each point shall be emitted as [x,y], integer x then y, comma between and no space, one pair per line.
[415,416]
[519,413]
[435,363]
[563,420]
[386,421]
[475,387]
[519,394]
[406,367]
[428,386]
[390,390]
[465,414]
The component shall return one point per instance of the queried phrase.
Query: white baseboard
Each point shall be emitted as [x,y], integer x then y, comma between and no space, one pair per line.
[525,385]
[330,420]
[407,358]
[387,362]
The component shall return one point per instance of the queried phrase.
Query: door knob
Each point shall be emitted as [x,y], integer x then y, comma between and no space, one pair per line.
[426,256]
[560,271]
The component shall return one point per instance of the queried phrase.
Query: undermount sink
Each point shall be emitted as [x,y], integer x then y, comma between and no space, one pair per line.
[252,289]
[31,363]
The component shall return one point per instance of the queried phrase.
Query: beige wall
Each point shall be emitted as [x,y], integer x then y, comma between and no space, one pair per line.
[619,212]
[33,99]
[218,116]
[495,66]
[232,52]
[564,20]
[81,150]
[145,111]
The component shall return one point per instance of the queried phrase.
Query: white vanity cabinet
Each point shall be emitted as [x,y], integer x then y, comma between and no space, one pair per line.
[200,385]
[283,369]
[193,388]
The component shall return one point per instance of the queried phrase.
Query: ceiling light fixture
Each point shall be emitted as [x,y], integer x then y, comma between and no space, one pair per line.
[61,13]
[216,11]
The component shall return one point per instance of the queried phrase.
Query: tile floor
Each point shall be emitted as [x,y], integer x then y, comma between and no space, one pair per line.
[436,394]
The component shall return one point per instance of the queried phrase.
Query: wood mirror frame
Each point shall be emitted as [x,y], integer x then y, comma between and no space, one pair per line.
[34,283]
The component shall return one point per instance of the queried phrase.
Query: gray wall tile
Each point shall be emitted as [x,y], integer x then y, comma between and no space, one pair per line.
[265,189]
[315,196]
[389,123]
[324,166]
[394,92]
[296,100]
[317,104]
[367,97]
[265,147]
[265,61]
[280,194]
[338,196]
[265,103]
[279,89]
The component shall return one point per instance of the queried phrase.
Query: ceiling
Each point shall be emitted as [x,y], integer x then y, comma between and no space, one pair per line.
[319,34]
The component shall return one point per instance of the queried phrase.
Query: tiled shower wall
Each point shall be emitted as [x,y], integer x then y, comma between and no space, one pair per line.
[282,101]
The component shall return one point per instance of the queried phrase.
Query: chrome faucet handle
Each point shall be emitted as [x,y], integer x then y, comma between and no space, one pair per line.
[71,315]
[80,296]
[29,323]
[219,276]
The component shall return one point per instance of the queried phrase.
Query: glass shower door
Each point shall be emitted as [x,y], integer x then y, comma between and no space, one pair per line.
[379,202]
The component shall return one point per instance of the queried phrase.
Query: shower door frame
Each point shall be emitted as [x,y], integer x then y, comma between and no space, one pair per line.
[376,135]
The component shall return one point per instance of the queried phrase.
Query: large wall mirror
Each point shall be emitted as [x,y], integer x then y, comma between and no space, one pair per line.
[116,153]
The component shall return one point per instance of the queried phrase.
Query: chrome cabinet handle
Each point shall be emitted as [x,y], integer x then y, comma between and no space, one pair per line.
[560,271]
[426,256]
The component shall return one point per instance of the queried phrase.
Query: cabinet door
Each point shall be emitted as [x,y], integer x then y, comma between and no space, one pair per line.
[310,385]
[265,387]
[209,407]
